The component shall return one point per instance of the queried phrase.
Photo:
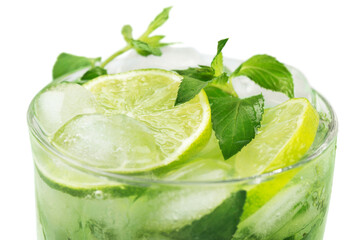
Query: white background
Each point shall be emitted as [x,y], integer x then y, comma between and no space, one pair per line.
[319,37]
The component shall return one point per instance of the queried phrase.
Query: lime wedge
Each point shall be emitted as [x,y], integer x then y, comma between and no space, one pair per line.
[286,134]
[141,129]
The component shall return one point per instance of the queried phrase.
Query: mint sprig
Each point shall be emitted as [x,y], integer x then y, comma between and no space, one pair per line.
[145,45]
[235,121]
[195,79]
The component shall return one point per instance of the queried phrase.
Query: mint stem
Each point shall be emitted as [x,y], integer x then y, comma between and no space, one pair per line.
[116,54]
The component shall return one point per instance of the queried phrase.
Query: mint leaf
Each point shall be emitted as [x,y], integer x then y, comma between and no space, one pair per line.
[93,73]
[194,79]
[235,121]
[217,62]
[155,41]
[221,45]
[221,223]
[188,89]
[203,73]
[145,49]
[126,31]
[67,63]
[213,92]
[267,72]
[159,20]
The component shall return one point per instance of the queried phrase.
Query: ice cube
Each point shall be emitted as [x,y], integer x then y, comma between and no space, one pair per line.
[179,206]
[109,142]
[274,214]
[169,210]
[244,87]
[172,58]
[58,104]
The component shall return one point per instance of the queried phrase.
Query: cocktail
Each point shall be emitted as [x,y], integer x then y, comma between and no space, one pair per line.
[151,147]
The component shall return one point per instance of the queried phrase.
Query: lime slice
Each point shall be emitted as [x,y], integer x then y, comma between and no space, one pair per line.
[141,129]
[286,134]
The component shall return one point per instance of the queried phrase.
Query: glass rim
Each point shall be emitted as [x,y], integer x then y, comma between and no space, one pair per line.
[40,136]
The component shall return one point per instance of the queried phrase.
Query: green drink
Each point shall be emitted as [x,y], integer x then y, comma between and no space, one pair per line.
[129,155]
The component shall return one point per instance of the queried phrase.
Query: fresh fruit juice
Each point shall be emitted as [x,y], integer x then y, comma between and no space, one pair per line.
[137,150]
